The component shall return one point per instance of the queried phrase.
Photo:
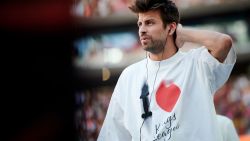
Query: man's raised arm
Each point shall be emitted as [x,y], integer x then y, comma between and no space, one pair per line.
[218,44]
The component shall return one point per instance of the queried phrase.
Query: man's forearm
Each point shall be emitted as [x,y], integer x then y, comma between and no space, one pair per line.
[217,43]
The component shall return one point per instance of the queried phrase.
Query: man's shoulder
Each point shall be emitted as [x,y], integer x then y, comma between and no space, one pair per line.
[132,69]
[135,66]
[196,53]
[195,50]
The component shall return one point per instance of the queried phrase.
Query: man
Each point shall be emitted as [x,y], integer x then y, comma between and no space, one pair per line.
[227,128]
[168,96]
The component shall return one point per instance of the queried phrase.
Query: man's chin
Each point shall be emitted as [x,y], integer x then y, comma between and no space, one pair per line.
[153,50]
[147,48]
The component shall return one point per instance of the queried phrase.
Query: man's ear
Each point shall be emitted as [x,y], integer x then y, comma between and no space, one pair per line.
[172,28]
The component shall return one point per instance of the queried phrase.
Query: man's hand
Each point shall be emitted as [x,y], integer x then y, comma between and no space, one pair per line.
[178,41]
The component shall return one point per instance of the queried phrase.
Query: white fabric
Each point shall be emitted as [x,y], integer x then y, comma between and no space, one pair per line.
[193,75]
[227,128]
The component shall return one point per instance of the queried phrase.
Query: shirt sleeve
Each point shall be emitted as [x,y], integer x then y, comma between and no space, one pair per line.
[227,128]
[232,133]
[216,73]
[113,128]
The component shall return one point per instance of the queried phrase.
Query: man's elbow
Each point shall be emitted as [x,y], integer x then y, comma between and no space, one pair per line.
[227,42]
[224,45]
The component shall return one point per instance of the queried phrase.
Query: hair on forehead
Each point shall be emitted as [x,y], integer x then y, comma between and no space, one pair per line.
[146,5]
[167,9]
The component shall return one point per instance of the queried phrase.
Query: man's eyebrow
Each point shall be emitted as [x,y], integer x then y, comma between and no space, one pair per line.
[149,19]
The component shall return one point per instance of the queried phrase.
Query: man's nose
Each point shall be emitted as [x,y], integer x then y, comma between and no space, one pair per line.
[142,30]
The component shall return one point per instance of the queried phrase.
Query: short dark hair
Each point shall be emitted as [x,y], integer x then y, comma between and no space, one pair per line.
[168,10]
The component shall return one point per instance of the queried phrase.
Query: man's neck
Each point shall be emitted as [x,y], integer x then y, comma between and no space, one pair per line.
[169,50]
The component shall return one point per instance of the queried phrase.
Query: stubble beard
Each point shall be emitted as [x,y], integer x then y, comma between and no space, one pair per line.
[155,46]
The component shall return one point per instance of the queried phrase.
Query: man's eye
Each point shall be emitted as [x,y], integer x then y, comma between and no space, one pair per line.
[149,23]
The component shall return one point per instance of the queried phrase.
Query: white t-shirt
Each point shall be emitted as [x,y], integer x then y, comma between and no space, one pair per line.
[181,103]
[227,128]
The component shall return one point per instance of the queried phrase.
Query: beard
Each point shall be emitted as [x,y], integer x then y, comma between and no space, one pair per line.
[155,46]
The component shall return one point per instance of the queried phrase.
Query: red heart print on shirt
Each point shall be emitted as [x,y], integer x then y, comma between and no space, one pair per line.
[167,96]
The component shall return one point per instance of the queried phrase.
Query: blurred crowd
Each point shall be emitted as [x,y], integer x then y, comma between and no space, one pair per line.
[231,100]
[92,106]
[103,8]
[100,8]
